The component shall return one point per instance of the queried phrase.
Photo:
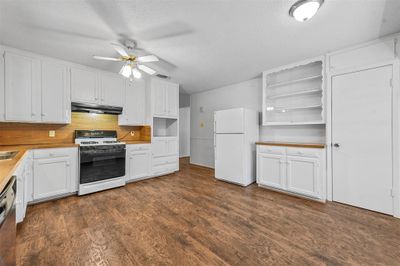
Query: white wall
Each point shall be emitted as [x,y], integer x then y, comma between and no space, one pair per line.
[184,132]
[246,94]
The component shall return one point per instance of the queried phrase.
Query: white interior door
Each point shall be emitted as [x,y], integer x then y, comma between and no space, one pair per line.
[184,132]
[229,157]
[361,127]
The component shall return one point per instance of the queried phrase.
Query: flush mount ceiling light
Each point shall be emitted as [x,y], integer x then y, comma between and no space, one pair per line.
[305,9]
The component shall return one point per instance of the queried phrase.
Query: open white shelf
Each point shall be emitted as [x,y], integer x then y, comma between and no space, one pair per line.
[293,108]
[285,123]
[294,95]
[293,81]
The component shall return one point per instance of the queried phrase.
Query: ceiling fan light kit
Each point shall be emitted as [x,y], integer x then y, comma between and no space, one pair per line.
[132,66]
[304,10]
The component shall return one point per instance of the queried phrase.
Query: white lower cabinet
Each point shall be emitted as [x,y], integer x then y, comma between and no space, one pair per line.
[23,174]
[165,155]
[295,170]
[54,172]
[303,176]
[138,164]
[271,170]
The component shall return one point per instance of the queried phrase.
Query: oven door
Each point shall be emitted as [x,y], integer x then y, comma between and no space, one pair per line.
[101,163]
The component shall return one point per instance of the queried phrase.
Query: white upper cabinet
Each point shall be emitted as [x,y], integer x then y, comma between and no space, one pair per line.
[165,98]
[55,93]
[84,85]
[134,108]
[35,90]
[96,87]
[368,54]
[159,97]
[112,88]
[22,88]
[172,99]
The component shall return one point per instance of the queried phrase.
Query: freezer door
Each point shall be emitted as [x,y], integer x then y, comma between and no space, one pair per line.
[229,157]
[229,121]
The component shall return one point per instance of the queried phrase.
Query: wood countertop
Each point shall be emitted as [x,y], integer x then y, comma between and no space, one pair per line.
[292,144]
[129,142]
[8,167]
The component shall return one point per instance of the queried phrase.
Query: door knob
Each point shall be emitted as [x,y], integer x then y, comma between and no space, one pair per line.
[336,145]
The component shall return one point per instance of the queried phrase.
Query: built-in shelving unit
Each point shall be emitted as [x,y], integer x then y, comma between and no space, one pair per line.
[165,127]
[294,95]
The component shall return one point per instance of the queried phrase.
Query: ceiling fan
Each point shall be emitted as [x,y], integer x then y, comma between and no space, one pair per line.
[133,63]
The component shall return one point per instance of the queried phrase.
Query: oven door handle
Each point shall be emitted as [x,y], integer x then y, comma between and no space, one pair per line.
[105,158]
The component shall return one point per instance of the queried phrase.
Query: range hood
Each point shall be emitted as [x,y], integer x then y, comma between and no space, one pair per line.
[95,108]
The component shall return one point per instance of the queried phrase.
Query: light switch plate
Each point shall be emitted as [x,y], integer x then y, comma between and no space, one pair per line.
[52,133]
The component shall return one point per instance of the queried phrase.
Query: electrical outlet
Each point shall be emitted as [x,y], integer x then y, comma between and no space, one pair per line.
[132,133]
[52,133]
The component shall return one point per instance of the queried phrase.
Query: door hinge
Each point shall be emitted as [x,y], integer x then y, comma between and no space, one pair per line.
[391,83]
[393,193]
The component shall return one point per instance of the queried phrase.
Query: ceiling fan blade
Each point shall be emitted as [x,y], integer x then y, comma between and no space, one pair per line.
[147,58]
[119,49]
[106,58]
[147,69]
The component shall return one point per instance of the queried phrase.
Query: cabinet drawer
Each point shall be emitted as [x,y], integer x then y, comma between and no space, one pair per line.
[303,152]
[271,149]
[51,153]
[165,161]
[164,169]
[138,147]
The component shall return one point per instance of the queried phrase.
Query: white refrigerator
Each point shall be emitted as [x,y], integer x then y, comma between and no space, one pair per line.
[235,134]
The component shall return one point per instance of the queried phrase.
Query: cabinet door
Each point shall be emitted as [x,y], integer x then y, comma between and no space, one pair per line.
[20,195]
[51,177]
[2,92]
[303,176]
[172,147]
[139,165]
[84,86]
[112,87]
[134,112]
[271,170]
[172,99]
[159,97]
[159,147]
[55,91]
[22,88]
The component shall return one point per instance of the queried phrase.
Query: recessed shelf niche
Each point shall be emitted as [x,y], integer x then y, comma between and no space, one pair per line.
[165,127]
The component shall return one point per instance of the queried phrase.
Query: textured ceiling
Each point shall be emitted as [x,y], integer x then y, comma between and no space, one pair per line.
[206,44]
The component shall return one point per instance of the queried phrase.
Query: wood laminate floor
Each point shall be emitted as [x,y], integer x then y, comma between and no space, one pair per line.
[189,218]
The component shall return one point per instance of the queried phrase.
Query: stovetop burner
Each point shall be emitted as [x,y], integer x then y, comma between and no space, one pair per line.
[89,142]
[97,138]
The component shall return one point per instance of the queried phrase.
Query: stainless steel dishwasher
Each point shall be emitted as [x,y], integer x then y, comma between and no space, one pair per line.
[8,230]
